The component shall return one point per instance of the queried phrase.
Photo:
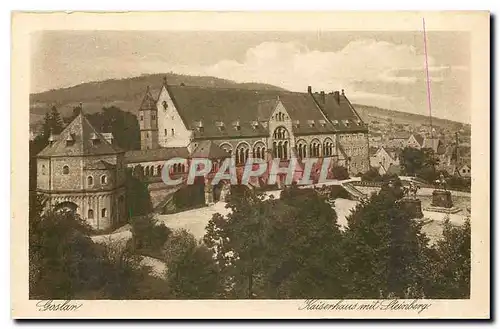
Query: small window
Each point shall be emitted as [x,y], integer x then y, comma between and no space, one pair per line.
[165,132]
[104,212]
[43,170]
[90,181]
[65,170]
[90,214]
[165,105]
[104,179]
[142,118]
[147,134]
[173,132]
[154,116]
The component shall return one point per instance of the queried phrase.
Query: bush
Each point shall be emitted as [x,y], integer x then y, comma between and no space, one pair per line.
[189,197]
[336,192]
[371,175]
[340,173]
[459,183]
[148,237]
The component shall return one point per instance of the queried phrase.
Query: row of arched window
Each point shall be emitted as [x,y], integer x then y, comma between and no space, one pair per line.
[280,150]
[90,180]
[281,133]
[104,213]
[280,116]
[242,152]
[315,149]
[176,168]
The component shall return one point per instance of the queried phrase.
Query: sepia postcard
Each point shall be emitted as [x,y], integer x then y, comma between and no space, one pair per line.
[254,165]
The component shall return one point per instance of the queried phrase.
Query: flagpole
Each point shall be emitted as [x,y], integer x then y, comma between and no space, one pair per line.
[428,79]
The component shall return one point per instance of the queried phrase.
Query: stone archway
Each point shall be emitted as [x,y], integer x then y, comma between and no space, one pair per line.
[66,206]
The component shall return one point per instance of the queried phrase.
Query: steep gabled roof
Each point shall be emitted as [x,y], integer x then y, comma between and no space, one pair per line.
[148,102]
[222,113]
[419,138]
[435,144]
[209,150]
[79,138]
[401,135]
[341,113]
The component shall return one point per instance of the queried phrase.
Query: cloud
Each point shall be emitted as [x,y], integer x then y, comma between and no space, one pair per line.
[294,66]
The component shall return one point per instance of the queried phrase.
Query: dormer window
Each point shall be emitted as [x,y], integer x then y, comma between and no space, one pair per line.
[220,125]
[346,122]
[236,125]
[255,124]
[199,126]
[70,140]
[322,123]
[95,139]
[335,122]
[310,123]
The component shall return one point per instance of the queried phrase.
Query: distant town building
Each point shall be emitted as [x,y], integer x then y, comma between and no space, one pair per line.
[398,140]
[384,158]
[419,142]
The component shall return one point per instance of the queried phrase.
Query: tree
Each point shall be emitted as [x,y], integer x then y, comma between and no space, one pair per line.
[191,268]
[52,123]
[372,175]
[450,263]
[123,125]
[148,237]
[138,198]
[303,248]
[284,248]
[340,173]
[237,241]
[387,251]
[419,162]
[64,263]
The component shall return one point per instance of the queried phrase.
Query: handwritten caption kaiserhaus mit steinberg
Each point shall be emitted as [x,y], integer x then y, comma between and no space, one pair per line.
[382,305]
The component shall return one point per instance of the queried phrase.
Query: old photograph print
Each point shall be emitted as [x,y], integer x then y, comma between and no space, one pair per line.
[328,167]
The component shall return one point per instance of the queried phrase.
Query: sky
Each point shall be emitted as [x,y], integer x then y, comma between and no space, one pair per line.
[385,69]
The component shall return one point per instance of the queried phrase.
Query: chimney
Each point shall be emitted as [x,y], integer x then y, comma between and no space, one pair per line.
[336,96]
[322,97]
[309,89]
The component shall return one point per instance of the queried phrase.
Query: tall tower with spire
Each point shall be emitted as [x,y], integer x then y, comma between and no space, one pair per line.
[148,122]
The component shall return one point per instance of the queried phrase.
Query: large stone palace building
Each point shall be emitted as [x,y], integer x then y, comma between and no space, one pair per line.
[82,171]
[265,124]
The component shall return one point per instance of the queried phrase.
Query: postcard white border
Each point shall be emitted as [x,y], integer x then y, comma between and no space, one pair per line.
[477,23]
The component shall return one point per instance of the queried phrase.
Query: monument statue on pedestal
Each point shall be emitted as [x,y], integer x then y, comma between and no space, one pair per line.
[410,202]
[441,197]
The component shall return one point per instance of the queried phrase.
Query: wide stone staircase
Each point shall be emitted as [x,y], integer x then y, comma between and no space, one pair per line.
[353,191]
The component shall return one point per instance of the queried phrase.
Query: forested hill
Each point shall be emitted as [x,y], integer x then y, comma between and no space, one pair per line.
[125,94]
[373,113]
